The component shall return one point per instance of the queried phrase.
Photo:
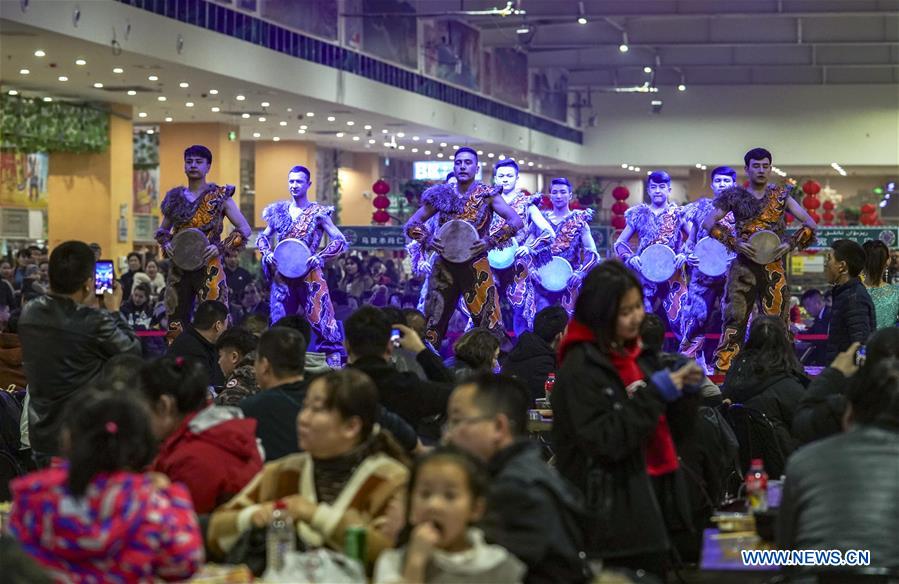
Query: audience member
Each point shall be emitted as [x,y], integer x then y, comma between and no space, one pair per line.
[255,324]
[840,493]
[252,302]
[31,285]
[97,518]
[135,266]
[315,363]
[852,316]
[237,277]
[121,373]
[23,260]
[137,310]
[884,295]
[237,356]
[813,303]
[7,291]
[349,473]
[153,278]
[447,495]
[97,250]
[65,342]
[476,351]
[198,339]
[533,357]
[611,423]
[531,511]
[402,359]
[357,283]
[211,449]
[12,368]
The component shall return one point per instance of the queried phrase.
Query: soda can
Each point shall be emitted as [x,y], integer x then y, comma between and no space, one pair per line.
[355,543]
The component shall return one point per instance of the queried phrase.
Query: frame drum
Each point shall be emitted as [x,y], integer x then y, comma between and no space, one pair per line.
[657,262]
[457,237]
[188,247]
[713,256]
[765,244]
[554,275]
[502,258]
[291,256]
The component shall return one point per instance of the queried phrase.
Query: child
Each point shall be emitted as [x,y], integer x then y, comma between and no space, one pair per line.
[97,518]
[446,495]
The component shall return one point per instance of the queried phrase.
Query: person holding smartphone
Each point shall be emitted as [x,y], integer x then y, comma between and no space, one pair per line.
[67,338]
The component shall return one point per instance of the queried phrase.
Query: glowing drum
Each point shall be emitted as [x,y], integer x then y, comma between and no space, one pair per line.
[657,263]
[292,257]
[713,256]
[554,275]
[502,258]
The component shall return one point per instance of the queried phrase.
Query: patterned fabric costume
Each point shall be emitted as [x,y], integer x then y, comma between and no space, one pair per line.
[749,283]
[665,299]
[567,245]
[308,294]
[207,214]
[473,280]
[704,293]
[418,257]
[513,284]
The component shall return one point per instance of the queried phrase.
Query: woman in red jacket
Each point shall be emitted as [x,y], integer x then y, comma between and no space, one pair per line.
[211,449]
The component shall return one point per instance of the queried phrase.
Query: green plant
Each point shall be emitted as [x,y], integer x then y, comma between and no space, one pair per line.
[37,126]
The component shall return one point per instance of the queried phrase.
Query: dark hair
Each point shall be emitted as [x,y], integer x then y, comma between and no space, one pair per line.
[134,254]
[561,181]
[600,299]
[108,432]
[71,265]
[477,349]
[768,350]
[352,393]
[503,394]
[184,379]
[285,350]
[883,344]
[757,154]
[303,169]
[12,325]
[237,338]
[25,253]
[154,261]
[652,332]
[208,313]
[876,401]
[724,171]
[507,162]
[411,315]
[393,314]
[877,254]
[143,287]
[549,322]
[297,323]
[449,175]
[811,293]
[199,150]
[356,260]
[367,332]
[658,177]
[255,323]
[846,250]
[466,149]
[121,372]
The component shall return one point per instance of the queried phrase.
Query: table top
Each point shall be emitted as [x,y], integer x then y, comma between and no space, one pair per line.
[715,557]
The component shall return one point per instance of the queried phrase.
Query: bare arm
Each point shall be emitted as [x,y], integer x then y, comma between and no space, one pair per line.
[337,244]
[541,226]
[164,236]
[622,247]
[232,212]
[501,208]
[806,234]
[590,253]
[416,228]
[712,218]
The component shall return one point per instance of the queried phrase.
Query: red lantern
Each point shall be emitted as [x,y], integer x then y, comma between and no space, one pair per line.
[828,218]
[811,187]
[381,187]
[814,216]
[811,202]
[829,206]
[620,193]
[868,209]
[381,202]
[619,207]
[380,216]
[575,205]
[867,219]
[618,222]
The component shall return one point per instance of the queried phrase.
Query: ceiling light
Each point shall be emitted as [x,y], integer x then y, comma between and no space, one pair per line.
[98,85]
[301,131]
[502,156]
[539,166]
[400,135]
[256,134]
[40,53]
[304,127]
[48,99]
[261,118]
[520,161]
[80,62]
[480,152]
[440,155]
[63,78]
[340,134]
[427,152]
[189,104]
[647,69]
[239,97]
[161,98]
[523,30]
[490,155]
[132,92]
[682,87]
[415,138]
[350,123]
[530,164]
[265,104]
[630,168]
[24,71]
[414,150]
[371,140]
[430,140]
[331,118]
[698,165]
[276,139]
[13,92]
[282,123]
[118,70]
[142,115]
[624,165]
[213,92]
[356,138]
[169,119]
[623,46]
[245,116]
[455,147]
[215,109]
[401,147]
[581,20]
[290,109]
[152,78]
[443,144]
[367,126]
[384,131]
[310,114]
[151,132]
[637,168]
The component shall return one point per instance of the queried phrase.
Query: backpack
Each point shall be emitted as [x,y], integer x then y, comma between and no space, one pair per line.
[10,437]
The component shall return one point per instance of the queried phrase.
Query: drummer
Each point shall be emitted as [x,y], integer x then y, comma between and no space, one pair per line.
[473,202]
[512,282]
[705,291]
[760,207]
[658,222]
[299,218]
[572,242]
[200,205]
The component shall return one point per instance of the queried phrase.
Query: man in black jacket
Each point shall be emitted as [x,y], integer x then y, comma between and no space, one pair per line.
[533,357]
[532,511]
[198,340]
[852,315]
[66,340]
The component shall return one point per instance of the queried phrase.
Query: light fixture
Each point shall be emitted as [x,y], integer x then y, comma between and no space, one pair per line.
[261,118]
[624,165]
[80,62]
[310,114]
[582,15]
[151,132]
[189,104]
[340,134]
[530,164]
[367,126]
[132,92]
[502,156]
[161,98]
[838,168]
[276,139]
[168,119]
[290,109]
[152,78]
[301,131]
[480,152]
[63,78]
[582,20]
[356,138]
[443,144]
[400,135]
[213,92]
[13,92]
[637,168]
[24,71]
[427,152]
[630,167]
[256,134]
[647,69]
[239,97]
[401,147]
[184,85]
[40,53]
[523,30]
[245,116]
[98,85]
[265,104]
[414,150]
[415,138]
[118,70]
[48,99]
[681,87]
[455,147]
[698,165]
[386,144]
[350,123]
[623,46]
[371,140]
[331,118]
[430,140]
[440,155]
[142,115]
[384,131]
[282,123]
[215,109]
[304,127]
[490,155]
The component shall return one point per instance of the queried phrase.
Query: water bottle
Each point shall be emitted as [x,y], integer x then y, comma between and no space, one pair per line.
[280,540]
[548,386]
[757,486]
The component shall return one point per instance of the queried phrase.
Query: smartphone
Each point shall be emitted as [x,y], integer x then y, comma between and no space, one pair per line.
[104,277]
[860,356]
[395,335]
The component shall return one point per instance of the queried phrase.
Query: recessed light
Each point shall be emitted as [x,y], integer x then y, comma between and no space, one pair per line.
[623,48]
[13,92]
[184,85]
[265,104]
[356,138]
[371,140]
[331,118]
[98,85]
[502,156]
[625,165]
[647,69]
[367,126]
[213,92]
[239,97]
[350,123]
[161,98]
[520,161]
[415,138]
[430,140]
[256,134]
[582,20]
[480,152]
[455,147]
[261,118]
[443,144]
[400,134]
[682,87]
[63,78]
[215,109]
[490,155]
[142,115]
[168,119]
[282,123]
[245,116]
[24,71]
[340,134]
[530,164]
[118,70]
[440,155]
[414,150]
[427,152]
[304,127]
[189,104]
[386,144]
[401,147]
[132,92]
[310,114]
[384,131]
[152,78]
[151,132]
[276,139]
[290,109]
[80,62]
[48,99]
[40,53]
[301,131]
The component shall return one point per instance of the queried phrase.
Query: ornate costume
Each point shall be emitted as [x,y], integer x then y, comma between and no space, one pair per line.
[307,294]
[749,283]
[472,280]
[566,244]
[206,213]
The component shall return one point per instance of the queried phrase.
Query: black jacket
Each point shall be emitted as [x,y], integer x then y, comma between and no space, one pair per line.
[531,360]
[820,411]
[190,344]
[840,493]
[64,348]
[820,326]
[535,514]
[852,317]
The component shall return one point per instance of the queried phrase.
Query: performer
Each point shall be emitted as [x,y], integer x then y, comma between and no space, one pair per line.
[513,284]
[572,240]
[473,202]
[704,293]
[760,207]
[202,206]
[657,222]
[300,218]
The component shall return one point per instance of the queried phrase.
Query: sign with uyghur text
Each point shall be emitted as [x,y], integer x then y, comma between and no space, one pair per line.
[889,234]
[374,237]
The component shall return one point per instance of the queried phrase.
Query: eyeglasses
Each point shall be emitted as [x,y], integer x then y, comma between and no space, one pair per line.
[449,425]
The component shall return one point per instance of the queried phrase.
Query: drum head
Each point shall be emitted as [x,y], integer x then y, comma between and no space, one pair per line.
[457,237]
[554,275]
[502,258]
[188,247]
[658,262]
[765,244]
[291,256]
[713,256]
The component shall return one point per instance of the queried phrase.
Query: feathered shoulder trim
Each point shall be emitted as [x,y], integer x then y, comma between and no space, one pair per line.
[639,217]
[176,207]
[698,210]
[277,215]
[740,201]
[443,198]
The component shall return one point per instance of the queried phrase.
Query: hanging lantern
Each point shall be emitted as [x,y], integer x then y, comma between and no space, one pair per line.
[811,187]
[380,187]
[811,202]
[618,222]
[868,209]
[380,216]
[619,207]
[828,218]
[620,193]
[814,216]
[381,202]
[575,205]
[545,202]
[829,206]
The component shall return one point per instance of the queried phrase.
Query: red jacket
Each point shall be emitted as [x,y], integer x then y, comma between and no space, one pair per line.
[214,452]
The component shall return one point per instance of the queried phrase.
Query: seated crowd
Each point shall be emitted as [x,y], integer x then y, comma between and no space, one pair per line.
[146,465]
